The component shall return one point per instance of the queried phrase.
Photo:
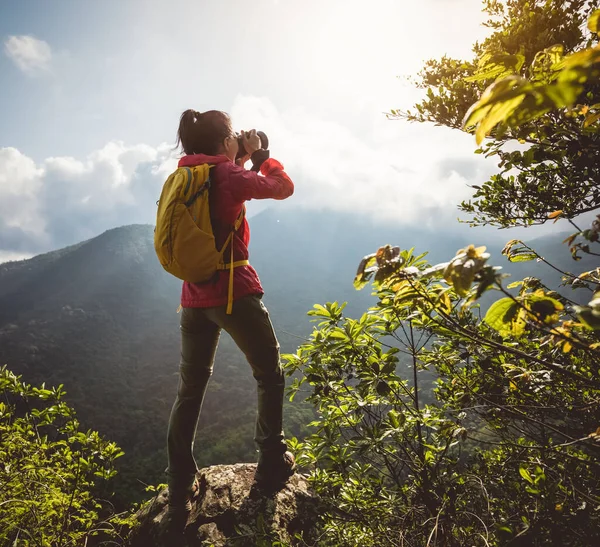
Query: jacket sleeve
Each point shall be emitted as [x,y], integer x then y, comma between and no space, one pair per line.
[275,184]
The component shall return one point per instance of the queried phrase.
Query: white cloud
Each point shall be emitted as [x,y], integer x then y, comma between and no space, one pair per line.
[391,171]
[20,183]
[13,257]
[31,55]
[65,200]
[394,172]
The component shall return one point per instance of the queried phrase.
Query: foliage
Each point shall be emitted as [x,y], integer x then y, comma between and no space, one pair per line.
[555,81]
[507,451]
[540,109]
[508,448]
[49,469]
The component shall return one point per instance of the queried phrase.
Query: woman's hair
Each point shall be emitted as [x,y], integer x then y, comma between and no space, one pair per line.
[203,133]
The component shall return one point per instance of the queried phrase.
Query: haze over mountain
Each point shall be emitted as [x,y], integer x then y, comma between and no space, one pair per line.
[100,318]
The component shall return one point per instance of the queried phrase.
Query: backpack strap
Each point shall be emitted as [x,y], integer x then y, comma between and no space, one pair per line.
[203,188]
[231,265]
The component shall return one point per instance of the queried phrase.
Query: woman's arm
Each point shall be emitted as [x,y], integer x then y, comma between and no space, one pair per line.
[275,184]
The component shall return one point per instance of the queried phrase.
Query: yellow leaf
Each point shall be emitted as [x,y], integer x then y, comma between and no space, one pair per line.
[446,302]
[555,214]
[592,118]
[594,21]
[558,507]
[567,346]
[397,287]
[499,112]
[513,386]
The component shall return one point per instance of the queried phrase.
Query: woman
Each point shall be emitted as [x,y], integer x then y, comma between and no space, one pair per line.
[208,138]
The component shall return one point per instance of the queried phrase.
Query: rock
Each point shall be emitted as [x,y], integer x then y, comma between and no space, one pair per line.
[230,510]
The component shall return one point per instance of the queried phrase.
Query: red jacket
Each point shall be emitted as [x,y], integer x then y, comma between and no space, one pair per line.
[231,186]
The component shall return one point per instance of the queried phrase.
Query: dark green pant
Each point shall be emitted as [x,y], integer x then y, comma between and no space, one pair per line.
[250,327]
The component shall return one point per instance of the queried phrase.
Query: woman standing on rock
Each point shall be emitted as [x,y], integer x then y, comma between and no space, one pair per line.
[208,138]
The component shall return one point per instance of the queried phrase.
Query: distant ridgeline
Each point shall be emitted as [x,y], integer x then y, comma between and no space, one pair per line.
[100,318]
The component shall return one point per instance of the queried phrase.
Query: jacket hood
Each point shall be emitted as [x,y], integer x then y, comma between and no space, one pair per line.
[197,159]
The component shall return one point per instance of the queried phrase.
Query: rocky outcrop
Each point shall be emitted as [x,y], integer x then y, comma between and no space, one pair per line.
[230,510]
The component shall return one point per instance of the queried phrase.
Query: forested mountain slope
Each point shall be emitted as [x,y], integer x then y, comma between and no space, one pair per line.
[100,317]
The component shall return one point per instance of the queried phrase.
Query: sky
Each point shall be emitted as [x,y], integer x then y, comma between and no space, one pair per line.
[92,92]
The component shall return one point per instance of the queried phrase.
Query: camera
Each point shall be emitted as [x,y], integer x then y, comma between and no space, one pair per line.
[264,143]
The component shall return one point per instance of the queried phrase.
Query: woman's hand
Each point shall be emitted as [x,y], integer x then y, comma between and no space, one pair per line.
[251,141]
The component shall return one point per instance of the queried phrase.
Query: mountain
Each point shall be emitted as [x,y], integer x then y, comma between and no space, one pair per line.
[100,317]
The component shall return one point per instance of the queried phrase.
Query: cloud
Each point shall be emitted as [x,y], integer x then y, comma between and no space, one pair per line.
[31,55]
[20,182]
[393,172]
[65,200]
[9,256]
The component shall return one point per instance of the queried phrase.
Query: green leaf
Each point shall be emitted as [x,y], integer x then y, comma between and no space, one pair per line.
[383,388]
[396,418]
[564,92]
[516,251]
[339,334]
[366,268]
[496,104]
[545,308]
[505,529]
[522,257]
[505,316]
[587,316]
[498,113]
[494,66]
[554,54]
[525,474]
[320,311]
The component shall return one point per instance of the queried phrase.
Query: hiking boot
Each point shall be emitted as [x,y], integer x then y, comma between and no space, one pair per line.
[180,498]
[275,469]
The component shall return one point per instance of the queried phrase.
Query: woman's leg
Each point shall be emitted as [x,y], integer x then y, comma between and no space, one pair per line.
[199,340]
[250,327]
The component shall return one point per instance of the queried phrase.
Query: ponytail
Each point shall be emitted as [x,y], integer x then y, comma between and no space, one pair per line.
[203,132]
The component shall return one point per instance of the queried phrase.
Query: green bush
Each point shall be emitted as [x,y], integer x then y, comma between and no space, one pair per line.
[48,471]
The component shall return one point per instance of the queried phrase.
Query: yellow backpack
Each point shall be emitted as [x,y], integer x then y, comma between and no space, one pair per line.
[183,238]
